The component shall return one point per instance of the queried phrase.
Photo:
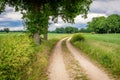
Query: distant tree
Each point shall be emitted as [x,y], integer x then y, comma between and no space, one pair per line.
[75,30]
[111,24]
[97,24]
[1,30]
[60,30]
[6,30]
[83,30]
[69,29]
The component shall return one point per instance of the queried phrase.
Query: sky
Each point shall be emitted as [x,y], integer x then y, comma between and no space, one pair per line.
[13,21]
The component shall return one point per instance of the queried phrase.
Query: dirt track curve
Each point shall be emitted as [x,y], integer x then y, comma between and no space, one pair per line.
[92,71]
[57,70]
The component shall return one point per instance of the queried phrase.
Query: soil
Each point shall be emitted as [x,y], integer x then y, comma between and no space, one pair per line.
[57,69]
[92,71]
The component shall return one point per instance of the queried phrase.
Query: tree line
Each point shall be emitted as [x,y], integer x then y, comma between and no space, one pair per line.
[110,24]
[70,29]
[7,30]
[67,29]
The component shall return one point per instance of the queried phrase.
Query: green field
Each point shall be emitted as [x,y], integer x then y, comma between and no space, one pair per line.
[104,49]
[21,59]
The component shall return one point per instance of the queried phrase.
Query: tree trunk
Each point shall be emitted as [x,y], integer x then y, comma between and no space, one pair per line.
[37,38]
[45,36]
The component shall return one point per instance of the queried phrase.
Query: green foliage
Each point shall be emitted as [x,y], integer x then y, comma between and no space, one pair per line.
[47,8]
[77,37]
[75,30]
[97,25]
[16,56]
[113,22]
[6,30]
[37,22]
[21,59]
[39,66]
[105,25]
[83,30]
[60,30]
[67,29]
[103,48]
[36,13]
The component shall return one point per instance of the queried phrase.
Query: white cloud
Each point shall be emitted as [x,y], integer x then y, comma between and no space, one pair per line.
[13,28]
[17,28]
[10,15]
[13,16]
[79,18]
[79,21]
[106,6]
[9,18]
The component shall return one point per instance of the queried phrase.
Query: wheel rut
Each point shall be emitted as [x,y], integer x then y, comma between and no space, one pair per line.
[91,70]
[57,69]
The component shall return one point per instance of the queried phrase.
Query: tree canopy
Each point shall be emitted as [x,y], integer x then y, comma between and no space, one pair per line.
[111,24]
[6,30]
[67,9]
[36,12]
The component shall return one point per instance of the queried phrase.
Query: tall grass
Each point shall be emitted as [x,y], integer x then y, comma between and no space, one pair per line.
[103,48]
[39,67]
[21,59]
[16,53]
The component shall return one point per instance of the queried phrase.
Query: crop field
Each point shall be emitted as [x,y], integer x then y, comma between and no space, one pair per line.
[104,49]
[20,58]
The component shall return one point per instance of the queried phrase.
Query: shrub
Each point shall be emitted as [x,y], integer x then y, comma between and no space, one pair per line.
[77,37]
[92,32]
[16,57]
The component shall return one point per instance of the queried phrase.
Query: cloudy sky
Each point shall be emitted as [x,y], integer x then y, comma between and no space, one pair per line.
[105,8]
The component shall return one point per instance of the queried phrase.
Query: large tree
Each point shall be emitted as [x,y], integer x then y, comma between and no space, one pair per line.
[98,25]
[111,24]
[6,30]
[35,10]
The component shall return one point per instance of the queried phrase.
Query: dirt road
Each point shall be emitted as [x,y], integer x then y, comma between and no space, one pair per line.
[57,69]
[92,71]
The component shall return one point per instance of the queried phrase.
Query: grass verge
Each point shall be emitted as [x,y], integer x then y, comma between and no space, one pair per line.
[39,66]
[103,50]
